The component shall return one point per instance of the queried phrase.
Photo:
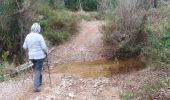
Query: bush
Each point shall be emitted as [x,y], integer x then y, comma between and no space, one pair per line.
[58,25]
[158,28]
[3,65]
[57,37]
[105,6]
[87,5]
[9,29]
[90,16]
[124,35]
[72,4]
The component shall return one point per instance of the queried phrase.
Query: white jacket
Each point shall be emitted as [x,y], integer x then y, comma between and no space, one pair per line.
[35,44]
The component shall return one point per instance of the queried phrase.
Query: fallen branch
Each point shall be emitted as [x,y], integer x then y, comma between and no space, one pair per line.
[25,66]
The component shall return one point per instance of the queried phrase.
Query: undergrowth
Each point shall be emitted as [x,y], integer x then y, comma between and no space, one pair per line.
[57,25]
[148,83]
[158,28]
[90,16]
[3,65]
[123,35]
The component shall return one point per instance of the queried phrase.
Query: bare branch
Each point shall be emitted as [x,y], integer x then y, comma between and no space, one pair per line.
[18,4]
[21,10]
[164,2]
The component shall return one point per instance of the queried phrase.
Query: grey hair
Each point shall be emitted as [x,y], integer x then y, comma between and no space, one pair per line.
[35,28]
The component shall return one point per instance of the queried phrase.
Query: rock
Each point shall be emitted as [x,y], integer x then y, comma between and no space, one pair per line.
[71,95]
[95,85]
[57,91]
[101,86]
[100,89]
[64,85]
[50,97]
[81,87]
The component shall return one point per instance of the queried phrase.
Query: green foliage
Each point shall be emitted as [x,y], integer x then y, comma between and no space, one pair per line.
[58,25]
[147,88]
[90,16]
[72,4]
[7,7]
[11,23]
[9,29]
[3,69]
[159,36]
[3,65]
[57,37]
[5,56]
[87,5]
[153,87]
[127,96]
[151,80]
[55,4]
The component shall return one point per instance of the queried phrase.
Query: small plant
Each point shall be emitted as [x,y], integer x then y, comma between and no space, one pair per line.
[151,88]
[127,96]
[2,72]
[3,65]
[5,56]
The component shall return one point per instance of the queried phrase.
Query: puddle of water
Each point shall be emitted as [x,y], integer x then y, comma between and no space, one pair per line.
[100,68]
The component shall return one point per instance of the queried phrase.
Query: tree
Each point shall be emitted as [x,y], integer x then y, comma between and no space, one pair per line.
[72,4]
[14,17]
[80,5]
[86,5]
[155,3]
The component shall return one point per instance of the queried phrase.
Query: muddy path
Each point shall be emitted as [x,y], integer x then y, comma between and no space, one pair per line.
[79,69]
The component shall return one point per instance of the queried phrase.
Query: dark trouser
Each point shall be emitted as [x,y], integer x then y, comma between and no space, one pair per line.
[38,68]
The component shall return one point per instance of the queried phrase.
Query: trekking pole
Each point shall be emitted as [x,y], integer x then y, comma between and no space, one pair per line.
[49,74]
[28,64]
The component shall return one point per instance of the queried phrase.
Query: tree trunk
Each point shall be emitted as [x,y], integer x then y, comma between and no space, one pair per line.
[80,6]
[155,3]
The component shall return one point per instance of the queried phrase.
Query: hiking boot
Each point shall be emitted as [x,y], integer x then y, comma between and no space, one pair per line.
[37,89]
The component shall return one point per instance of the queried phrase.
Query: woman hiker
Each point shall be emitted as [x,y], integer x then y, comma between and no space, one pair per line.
[37,51]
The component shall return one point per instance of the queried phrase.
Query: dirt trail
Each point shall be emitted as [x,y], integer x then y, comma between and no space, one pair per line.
[84,46]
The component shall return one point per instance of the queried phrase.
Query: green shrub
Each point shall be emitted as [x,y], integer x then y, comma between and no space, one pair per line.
[90,16]
[158,29]
[87,5]
[9,29]
[72,4]
[3,70]
[58,25]
[151,88]
[57,37]
[3,65]
[128,95]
